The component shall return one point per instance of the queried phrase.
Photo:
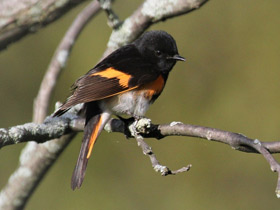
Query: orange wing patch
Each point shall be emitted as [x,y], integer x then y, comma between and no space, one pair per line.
[153,88]
[113,73]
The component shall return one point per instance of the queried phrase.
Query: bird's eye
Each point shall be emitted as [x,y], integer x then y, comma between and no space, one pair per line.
[158,53]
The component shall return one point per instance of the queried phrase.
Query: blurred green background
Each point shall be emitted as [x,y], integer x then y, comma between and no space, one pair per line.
[230,81]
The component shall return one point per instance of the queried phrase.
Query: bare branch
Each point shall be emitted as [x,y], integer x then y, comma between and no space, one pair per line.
[47,157]
[40,132]
[274,165]
[235,140]
[59,60]
[129,30]
[70,122]
[113,20]
[19,18]
[43,98]
[150,12]
[35,160]
[144,128]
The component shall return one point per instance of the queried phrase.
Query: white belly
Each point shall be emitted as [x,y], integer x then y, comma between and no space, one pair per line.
[129,103]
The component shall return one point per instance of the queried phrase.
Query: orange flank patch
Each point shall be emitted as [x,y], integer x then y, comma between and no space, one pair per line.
[154,87]
[113,73]
[93,137]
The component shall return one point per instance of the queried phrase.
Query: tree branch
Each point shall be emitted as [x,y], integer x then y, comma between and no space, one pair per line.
[144,128]
[59,60]
[129,30]
[113,20]
[52,128]
[35,161]
[59,126]
[20,18]
[150,12]
[42,163]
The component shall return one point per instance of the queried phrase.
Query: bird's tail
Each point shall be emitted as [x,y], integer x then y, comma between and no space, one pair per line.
[94,125]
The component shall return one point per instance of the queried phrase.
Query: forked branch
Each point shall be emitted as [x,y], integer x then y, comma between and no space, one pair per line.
[144,129]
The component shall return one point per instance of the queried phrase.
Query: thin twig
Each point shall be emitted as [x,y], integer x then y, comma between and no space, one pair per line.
[143,126]
[150,12]
[274,165]
[163,170]
[113,20]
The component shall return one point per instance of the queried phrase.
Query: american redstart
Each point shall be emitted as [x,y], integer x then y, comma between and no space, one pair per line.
[125,82]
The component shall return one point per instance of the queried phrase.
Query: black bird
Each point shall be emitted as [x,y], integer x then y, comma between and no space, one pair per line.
[125,82]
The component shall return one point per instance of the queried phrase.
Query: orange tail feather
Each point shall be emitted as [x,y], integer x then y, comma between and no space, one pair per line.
[92,130]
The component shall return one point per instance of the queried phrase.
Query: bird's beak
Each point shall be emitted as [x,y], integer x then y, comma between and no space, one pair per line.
[177,58]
